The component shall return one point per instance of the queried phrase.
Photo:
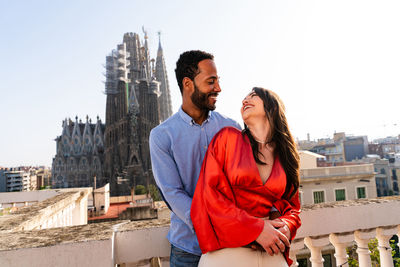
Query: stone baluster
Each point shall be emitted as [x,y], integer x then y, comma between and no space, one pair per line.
[362,239]
[385,251]
[341,242]
[296,245]
[70,215]
[398,235]
[55,220]
[64,216]
[315,246]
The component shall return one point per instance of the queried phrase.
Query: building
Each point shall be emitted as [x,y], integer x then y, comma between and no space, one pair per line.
[383,174]
[43,176]
[385,147]
[310,160]
[3,182]
[17,180]
[375,149]
[342,149]
[394,165]
[138,99]
[355,147]
[79,155]
[330,184]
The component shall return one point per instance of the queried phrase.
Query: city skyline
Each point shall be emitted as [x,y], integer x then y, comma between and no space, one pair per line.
[333,64]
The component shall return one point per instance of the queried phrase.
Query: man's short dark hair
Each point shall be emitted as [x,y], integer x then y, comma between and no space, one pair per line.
[187,65]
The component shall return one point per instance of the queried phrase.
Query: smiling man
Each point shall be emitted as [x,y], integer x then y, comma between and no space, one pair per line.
[178,146]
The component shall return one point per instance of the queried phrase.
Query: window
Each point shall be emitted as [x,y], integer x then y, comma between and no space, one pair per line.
[319,197]
[361,192]
[327,260]
[340,194]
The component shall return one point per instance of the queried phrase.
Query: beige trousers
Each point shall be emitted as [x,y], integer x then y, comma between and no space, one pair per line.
[241,257]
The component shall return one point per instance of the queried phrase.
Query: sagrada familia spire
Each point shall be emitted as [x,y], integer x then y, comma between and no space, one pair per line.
[138,99]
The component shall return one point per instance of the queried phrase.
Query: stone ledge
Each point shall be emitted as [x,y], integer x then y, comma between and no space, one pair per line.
[72,234]
[17,221]
[349,216]
[348,203]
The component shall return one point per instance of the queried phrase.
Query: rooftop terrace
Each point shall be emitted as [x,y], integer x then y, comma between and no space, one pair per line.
[142,243]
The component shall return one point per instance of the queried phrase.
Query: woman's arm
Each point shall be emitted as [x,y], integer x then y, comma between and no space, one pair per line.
[218,222]
[290,210]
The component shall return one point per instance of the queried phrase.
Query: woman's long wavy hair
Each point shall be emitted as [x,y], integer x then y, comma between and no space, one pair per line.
[280,138]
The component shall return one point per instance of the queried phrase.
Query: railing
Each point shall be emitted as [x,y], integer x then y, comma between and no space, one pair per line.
[341,224]
[336,171]
[139,243]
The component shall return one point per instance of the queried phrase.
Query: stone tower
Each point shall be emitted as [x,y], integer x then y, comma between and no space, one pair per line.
[134,106]
[162,77]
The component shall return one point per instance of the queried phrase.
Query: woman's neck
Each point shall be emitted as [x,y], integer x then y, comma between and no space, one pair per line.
[259,131]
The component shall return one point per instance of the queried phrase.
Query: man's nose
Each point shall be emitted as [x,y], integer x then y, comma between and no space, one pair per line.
[217,88]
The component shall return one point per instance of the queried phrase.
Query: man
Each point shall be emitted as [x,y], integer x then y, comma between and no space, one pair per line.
[179,144]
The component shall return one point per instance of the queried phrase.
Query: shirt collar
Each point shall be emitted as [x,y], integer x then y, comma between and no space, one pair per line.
[186,118]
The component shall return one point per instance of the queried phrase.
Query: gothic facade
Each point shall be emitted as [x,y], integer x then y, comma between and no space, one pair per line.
[80,154]
[138,99]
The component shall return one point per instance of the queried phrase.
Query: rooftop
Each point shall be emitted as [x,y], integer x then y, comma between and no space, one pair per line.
[136,243]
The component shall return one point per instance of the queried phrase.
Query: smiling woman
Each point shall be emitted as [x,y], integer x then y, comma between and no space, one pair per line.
[247,193]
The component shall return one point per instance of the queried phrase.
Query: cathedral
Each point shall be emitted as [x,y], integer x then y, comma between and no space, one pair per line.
[80,154]
[137,100]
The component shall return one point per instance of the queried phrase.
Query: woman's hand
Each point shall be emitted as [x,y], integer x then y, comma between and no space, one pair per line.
[271,238]
[284,230]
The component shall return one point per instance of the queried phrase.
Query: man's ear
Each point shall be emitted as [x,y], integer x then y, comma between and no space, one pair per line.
[187,84]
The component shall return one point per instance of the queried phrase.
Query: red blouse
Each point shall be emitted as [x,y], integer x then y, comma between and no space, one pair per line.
[230,197]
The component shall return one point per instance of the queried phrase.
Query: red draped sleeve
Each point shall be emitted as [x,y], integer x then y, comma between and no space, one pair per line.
[217,220]
[290,210]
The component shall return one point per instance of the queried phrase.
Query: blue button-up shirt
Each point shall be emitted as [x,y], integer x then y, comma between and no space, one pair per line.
[177,149]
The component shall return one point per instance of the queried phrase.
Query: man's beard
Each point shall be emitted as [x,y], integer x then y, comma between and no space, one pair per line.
[200,99]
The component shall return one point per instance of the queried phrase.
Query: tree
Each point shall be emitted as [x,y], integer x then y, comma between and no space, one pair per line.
[140,190]
[155,194]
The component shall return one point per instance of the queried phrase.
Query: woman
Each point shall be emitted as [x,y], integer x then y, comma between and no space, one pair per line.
[244,177]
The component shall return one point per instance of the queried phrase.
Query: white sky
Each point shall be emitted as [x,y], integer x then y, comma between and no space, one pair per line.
[335,64]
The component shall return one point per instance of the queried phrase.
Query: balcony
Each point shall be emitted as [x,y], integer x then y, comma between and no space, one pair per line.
[142,243]
[350,170]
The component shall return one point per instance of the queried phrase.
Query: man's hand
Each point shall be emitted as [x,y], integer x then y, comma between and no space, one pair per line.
[271,238]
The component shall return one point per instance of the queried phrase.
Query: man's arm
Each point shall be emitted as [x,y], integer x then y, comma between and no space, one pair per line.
[168,179]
